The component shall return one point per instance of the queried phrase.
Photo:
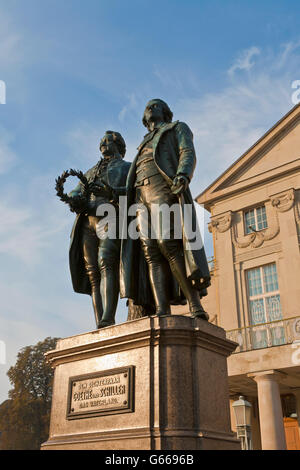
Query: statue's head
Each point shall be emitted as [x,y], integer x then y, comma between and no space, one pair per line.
[156,111]
[112,144]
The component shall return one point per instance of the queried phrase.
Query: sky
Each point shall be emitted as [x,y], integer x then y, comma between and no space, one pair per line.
[75,69]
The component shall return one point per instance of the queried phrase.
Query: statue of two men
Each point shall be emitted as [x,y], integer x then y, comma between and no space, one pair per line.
[154,271]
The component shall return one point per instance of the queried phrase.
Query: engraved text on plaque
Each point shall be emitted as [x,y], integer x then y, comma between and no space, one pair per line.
[107,392]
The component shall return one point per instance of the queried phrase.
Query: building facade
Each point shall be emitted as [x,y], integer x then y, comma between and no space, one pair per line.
[255,291]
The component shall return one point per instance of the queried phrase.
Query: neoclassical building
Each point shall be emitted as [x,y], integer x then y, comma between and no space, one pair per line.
[255,292]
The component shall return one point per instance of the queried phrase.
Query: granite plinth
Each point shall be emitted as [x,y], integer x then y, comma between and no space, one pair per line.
[180,398]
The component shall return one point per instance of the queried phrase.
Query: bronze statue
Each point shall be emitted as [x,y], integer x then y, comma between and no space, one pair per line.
[94,259]
[161,174]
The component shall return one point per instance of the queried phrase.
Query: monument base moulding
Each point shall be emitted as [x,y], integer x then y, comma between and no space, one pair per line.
[156,383]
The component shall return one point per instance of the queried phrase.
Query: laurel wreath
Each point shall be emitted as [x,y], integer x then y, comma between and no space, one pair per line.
[59,187]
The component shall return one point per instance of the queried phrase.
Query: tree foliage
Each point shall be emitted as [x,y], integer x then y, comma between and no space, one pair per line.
[24,418]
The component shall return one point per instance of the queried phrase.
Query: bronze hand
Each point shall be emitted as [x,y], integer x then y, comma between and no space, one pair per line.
[180,184]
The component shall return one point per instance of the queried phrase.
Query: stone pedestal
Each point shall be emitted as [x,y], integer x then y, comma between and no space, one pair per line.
[174,398]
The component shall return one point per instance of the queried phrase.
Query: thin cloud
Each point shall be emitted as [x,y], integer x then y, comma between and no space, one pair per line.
[129,107]
[287,50]
[83,142]
[244,61]
[8,157]
[10,40]
[27,233]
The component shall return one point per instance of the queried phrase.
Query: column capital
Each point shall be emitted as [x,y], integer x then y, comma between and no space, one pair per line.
[272,374]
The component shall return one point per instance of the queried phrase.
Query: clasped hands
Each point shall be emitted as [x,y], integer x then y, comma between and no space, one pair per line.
[101,189]
[79,203]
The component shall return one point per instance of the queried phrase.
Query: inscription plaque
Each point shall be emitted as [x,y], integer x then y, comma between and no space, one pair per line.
[101,393]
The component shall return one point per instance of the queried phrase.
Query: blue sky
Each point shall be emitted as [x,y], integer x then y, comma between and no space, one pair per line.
[74,69]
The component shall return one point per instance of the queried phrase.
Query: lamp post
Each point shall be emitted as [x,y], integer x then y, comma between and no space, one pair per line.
[242,411]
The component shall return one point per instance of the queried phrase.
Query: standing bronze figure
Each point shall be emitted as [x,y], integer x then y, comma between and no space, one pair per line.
[94,259]
[161,174]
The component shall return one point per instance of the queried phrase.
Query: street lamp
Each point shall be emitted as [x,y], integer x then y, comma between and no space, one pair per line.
[242,411]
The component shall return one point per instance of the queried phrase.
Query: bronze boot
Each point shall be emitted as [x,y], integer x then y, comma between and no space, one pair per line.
[109,287]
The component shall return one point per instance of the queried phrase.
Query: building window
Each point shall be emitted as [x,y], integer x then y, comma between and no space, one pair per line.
[255,219]
[265,307]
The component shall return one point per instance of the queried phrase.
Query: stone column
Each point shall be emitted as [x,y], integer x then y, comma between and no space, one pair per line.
[270,410]
[297,395]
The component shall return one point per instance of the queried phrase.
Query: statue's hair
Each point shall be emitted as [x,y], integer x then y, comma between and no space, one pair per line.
[167,113]
[120,142]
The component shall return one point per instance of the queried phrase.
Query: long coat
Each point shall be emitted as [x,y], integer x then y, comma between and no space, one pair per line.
[115,176]
[174,154]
